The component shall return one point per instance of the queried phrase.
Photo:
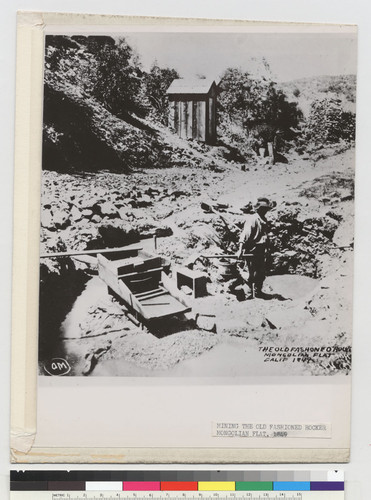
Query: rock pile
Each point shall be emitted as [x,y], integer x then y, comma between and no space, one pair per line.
[83,209]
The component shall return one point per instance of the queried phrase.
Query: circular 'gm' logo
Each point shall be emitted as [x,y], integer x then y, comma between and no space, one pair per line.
[57,367]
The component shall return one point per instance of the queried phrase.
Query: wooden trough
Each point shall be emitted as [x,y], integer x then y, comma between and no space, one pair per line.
[136,276]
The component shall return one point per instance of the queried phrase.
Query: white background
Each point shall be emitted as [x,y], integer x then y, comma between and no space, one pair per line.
[358,471]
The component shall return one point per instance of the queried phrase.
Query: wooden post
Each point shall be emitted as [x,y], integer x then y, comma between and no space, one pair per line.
[210,121]
[201,119]
[194,120]
[189,119]
[183,120]
[176,117]
[271,152]
[172,114]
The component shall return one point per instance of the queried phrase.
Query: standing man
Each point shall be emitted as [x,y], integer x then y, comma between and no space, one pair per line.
[254,240]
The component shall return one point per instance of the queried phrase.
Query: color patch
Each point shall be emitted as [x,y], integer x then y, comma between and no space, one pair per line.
[103,486]
[179,486]
[141,486]
[334,475]
[216,486]
[291,486]
[66,485]
[327,486]
[28,485]
[254,486]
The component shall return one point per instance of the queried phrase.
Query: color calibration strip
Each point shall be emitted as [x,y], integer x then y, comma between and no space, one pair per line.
[133,481]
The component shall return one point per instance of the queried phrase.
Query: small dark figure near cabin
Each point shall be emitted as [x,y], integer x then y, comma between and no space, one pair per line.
[253,243]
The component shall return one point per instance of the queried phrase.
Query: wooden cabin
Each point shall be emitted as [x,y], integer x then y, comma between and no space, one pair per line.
[192,109]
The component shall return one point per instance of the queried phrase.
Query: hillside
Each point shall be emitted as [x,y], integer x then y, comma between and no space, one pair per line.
[306,90]
[81,135]
[102,111]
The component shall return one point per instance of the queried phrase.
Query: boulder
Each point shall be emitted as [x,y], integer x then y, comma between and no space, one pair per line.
[141,203]
[61,219]
[76,214]
[124,213]
[107,209]
[47,220]
[163,231]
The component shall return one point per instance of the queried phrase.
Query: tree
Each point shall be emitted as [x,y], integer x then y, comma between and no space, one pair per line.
[117,78]
[157,82]
[256,107]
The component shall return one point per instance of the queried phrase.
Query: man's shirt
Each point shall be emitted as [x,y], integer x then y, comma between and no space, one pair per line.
[254,231]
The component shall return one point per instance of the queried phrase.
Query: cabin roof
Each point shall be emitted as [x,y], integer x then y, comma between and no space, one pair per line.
[190,86]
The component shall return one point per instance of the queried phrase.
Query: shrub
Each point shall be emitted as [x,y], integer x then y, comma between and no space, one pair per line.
[328,123]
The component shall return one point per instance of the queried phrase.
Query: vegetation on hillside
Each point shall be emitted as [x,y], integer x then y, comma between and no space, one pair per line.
[95,99]
[254,111]
[102,110]
[156,83]
[328,123]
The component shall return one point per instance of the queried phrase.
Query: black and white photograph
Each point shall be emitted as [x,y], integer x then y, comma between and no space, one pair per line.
[197,199]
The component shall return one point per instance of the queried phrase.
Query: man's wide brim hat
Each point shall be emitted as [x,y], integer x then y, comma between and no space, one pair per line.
[264,203]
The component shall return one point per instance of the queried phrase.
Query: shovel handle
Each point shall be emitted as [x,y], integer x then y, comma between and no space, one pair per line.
[245,255]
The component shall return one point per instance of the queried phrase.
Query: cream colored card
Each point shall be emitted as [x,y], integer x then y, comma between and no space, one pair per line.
[164,138]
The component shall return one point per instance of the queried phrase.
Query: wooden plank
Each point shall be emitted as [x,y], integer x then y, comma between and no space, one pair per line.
[162,307]
[194,120]
[176,117]
[156,269]
[183,120]
[151,295]
[71,253]
[185,271]
[201,118]
[142,294]
[108,275]
[172,106]
[211,121]
[189,119]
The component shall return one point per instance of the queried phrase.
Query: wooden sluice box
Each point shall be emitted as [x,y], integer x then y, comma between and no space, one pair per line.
[137,277]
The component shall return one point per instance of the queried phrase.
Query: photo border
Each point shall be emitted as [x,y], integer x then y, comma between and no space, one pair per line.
[28,137]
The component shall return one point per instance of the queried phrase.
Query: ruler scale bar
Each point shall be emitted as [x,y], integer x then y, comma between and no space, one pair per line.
[110,495]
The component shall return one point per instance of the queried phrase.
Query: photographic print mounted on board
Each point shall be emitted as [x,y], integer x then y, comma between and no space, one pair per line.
[196,208]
